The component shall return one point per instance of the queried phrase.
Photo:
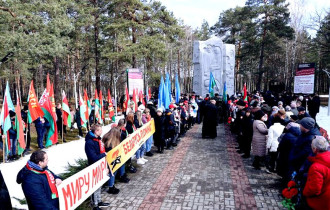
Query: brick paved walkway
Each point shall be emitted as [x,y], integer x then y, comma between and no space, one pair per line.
[198,174]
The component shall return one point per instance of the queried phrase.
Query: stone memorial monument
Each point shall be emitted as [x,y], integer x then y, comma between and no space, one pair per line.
[213,56]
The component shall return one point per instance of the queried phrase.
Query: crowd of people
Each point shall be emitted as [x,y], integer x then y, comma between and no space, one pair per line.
[285,139]
[276,131]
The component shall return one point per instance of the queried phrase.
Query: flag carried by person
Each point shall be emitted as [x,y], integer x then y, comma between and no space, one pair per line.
[177,89]
[5,117]
[212,84]
[134,99]
[66,111]
[97,108]
[126,103]
[160,93]
[141,99]
[35,110]
[224,95]
[245,98]
[48,107]
[166,92]
[19,127]
[101,107]
[110,107]
[89,106]
[83,111]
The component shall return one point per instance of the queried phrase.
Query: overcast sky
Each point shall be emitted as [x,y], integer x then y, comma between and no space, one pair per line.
[192,12]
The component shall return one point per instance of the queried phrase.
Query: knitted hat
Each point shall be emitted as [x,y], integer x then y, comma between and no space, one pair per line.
[160,110]
[287,108]
[301,108]
[258,114]
[307,122]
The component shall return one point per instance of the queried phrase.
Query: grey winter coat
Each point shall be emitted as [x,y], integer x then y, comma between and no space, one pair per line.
[259,140]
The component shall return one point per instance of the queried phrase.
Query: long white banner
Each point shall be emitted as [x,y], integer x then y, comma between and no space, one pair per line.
[77,188]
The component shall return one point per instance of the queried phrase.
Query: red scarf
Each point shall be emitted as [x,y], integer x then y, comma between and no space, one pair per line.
[101,145]
[50,179]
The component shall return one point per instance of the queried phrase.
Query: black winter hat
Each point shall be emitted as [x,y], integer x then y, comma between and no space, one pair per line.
[240,103]
[301,108]
[12,113]
[258,115]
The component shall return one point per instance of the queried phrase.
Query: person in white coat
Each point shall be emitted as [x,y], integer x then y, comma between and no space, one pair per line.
[274,132]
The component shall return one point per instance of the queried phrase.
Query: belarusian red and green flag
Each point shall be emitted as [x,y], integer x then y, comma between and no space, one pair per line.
[97,108]
[19,127]
[126,104]
[110,107]
[66,111]
[48,107]
[83,111]
[5,117]
[35,110]
[245,98]
[89,106]
[134,100]
[101,107]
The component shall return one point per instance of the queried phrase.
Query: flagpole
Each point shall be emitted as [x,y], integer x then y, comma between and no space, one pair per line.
[4,148]
[62,117]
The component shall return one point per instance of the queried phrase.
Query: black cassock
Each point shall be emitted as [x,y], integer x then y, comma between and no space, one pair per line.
[210,121]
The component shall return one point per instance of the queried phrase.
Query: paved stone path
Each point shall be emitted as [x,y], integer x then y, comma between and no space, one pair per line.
[198,174]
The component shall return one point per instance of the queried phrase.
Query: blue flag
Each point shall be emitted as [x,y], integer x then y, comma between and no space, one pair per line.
[224,96]
[160,93]
[177,89]
[166,92]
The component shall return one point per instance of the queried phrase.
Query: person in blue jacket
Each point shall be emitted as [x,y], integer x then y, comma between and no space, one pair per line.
[12,137]
[40,128]
[302,148]
[95,150]
[39,183]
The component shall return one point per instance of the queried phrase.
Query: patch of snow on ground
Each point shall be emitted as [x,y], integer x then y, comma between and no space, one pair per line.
[59,157]
[323,119]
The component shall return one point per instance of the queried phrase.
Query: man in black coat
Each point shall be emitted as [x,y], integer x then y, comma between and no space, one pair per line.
[152,109]
[314,106]
[210,121]
[159,135]
[170,127]
[59,121]
[4,195]
[24,114]
[39,183]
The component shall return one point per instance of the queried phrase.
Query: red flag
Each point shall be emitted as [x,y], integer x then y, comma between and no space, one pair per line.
[141,98]
[127,100]
[66,110]
[35,110]
[149,94]
[111,110]
[47,103]
[134,99]
[88,110]
[245,93]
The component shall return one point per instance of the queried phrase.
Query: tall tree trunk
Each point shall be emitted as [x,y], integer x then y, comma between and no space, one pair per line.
[134,42]
[261,60]
[57,86]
